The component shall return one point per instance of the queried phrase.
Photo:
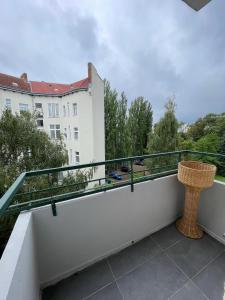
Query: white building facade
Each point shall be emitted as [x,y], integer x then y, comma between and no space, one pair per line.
[74,111]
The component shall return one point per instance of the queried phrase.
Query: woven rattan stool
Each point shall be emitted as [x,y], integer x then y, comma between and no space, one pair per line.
[195,176]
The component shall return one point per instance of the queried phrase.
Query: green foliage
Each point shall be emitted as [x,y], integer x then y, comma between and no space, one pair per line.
[122,137]
[111,128]
[221,163]
[139,125]
[211,123]
[220,178]
[126,132]
[23,147]
[207,143]
[164,137]
[165,134]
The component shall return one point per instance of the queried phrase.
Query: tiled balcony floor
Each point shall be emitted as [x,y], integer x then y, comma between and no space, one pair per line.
[165,265]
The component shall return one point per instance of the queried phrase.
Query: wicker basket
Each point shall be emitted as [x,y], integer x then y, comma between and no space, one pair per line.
[195,176]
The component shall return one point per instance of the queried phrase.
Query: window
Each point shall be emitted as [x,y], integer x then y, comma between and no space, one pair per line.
[75,109]
[76,133]
[38,105]
[40,123]
[71,156]
[64,111]
[53,110]
[65,133]
[77,157]
[8,103]
[68,109]
[55,131]
[69,133]
[23,107]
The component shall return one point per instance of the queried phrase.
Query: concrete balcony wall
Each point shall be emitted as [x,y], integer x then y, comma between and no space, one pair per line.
[44,249]
[19,277]
[90,228]
[212,211]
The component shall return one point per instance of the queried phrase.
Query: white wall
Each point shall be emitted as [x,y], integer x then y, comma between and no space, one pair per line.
[98,121]
[18,268]
[92,227]
[212,210]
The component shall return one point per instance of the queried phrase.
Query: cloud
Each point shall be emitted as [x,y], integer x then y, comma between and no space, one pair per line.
[152,48]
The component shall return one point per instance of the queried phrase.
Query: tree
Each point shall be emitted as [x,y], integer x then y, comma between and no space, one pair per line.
[221,164]
[111,106]
[122,135]
[164,137]
[208,143]
[139,125]
[23,147]
[211,123]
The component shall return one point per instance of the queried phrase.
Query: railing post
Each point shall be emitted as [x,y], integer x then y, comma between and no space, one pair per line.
[131,175]
[180,157]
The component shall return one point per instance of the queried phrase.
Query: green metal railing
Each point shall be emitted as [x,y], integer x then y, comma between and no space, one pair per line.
[9,203]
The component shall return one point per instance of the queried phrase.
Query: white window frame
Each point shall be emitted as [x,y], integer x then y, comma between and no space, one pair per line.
[71,156]
[53,110]
[68,109]
[76,133]
[77,157]
[23,107]
[75,109]
[41,120]
[65,133]
[54,131]
[69,132]
[64,111]
[8,103]
[38,105]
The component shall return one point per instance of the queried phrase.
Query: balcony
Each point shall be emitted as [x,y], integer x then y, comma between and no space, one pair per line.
[114,241]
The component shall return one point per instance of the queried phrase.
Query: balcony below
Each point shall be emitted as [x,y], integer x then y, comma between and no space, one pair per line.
[164,265]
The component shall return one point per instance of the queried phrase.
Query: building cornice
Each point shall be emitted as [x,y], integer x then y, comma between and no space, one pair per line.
[20,91]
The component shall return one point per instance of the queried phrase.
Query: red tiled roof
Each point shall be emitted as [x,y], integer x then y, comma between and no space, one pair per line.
[40,87]
[14,82]
[56,88]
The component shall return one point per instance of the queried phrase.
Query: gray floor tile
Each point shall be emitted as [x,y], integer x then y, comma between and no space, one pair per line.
[157,279]
[189,292]
[131,257]
[192,255]
[212,279]
[82,284]
[167,236]
[111,292]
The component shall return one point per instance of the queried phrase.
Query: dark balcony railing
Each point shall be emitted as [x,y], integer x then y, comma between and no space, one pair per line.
[17,198]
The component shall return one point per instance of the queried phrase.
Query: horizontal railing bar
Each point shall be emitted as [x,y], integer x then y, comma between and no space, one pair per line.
[59,187]
[206,153]
[88,181]
[95,164]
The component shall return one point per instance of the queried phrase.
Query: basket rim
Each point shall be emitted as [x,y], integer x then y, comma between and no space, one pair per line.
[213,167]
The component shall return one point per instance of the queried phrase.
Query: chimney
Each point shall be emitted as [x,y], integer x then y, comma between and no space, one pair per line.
[90,72]
[24,77]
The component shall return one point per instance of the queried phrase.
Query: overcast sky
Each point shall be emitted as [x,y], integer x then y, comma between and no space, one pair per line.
[149,48]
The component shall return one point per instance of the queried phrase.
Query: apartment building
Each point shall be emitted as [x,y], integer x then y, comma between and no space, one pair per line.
[74,111]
